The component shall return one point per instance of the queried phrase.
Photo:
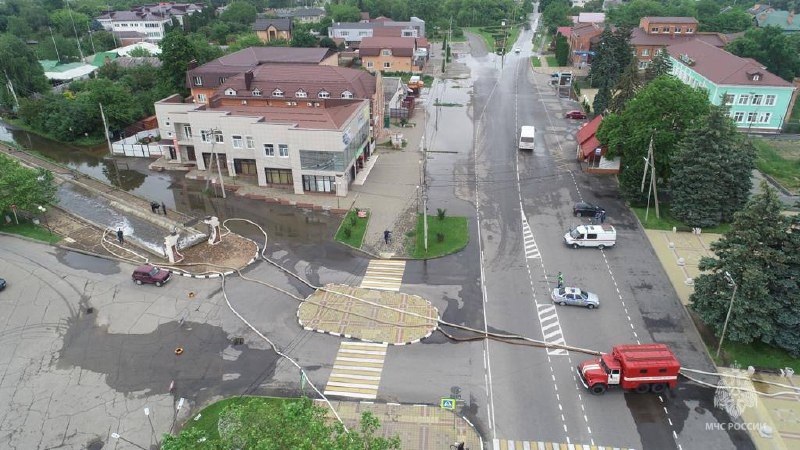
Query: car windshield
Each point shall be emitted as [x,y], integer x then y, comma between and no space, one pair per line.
[153,272]
[584,294]
[574,233]
[526,139]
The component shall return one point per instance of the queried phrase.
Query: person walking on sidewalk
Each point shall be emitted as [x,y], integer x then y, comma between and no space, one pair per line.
[120,236]
[154,207]
[164,208]
[387,236]
[560,280]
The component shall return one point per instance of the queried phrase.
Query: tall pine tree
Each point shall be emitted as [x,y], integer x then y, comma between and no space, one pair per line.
[711,171]
[760,253]
[629,84]
[659,65]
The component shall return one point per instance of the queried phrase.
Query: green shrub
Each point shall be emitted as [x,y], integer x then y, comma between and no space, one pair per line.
[440,237]
[441,213]
[347,231]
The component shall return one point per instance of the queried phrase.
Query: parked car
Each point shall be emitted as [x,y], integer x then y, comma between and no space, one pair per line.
[516,50]
[586,209]
[2,284]
[575,115]
[151,275]
[574,296]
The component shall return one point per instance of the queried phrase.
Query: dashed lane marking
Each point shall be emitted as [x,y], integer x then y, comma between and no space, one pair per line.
[506,444]
[531,250]
[357,370]
[384,274]
[551,328]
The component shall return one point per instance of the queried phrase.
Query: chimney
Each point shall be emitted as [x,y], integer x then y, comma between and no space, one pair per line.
[192,64]
[248,79]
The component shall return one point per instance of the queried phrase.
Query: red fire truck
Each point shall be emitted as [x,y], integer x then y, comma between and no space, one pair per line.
[642,368]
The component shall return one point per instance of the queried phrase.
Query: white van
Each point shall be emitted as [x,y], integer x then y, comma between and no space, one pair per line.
[526,138]
[599,236]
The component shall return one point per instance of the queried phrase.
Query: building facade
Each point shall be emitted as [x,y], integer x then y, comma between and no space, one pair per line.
[655,33]
[758,101]
[147,22]
[394,54]
[269,30]
[354,32]
[306,147]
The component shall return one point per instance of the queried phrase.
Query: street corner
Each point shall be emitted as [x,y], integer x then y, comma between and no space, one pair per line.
[424,427]
[205,260]
[372,315]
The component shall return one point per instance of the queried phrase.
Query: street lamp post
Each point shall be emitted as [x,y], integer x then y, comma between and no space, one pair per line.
[43,210]
[117,436]
[730,281]
[155,436]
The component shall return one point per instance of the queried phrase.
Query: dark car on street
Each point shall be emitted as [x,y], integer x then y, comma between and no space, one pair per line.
[586,209]
[149,274]
[575,115]
[2,284]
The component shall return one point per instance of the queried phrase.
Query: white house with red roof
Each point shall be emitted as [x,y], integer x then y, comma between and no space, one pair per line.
[759,101]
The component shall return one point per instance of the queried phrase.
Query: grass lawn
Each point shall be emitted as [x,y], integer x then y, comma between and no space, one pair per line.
[552,61]
[487,38]
[779,159]
[756,354]
[454,229]
[209,416]
[535,62]
[666,222]
[513,34]
[38,232]
[357,226]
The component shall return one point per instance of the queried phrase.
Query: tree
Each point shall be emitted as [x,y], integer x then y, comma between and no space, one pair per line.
[328,42]
[612,55]
[663,110]
[629,84]
[771,47]
[659,65]
[24,187]
[69,22]
[297,425]
[240,12]
[303,39]
[176,53]
[562,50]
[556,14]
[711,146]
[18,62]
[760,252]
[344,13]
[601,100]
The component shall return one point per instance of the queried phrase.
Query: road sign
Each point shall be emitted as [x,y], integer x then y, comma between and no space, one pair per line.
[447,403]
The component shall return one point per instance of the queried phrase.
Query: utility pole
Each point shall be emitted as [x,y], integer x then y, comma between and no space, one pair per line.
[424,191]
[58,58]
[651,165]
[14,94]
[105,130]
[214,133]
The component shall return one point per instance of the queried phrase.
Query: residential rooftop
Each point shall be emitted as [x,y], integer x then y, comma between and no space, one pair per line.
[310,79]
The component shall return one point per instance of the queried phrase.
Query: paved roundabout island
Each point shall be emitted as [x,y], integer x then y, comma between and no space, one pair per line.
[371,315]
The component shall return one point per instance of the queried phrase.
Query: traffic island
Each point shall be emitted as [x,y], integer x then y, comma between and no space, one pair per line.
[393,318]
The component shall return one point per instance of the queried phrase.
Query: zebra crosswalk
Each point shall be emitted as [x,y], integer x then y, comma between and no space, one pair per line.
[551,328]
[531,250]
[357,370]
[505,444]
[384,274]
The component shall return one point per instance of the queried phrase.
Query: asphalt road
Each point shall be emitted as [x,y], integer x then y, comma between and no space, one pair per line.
[534,395]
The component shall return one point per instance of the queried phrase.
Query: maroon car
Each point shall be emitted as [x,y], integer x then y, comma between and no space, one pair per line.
[575,115]
[151,275]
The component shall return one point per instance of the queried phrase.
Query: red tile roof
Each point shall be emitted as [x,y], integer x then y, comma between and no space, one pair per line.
[564,31]
[328,118]
[722,67]
[658,19]
[400,46]
[641,37]
[589,129]
[311,79]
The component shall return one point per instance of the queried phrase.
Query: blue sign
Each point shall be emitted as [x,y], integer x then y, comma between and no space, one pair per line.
[447,403]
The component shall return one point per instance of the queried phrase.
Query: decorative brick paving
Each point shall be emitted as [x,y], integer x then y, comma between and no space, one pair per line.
[327,311]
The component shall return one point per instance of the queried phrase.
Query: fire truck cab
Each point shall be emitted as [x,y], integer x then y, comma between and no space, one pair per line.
[642,368]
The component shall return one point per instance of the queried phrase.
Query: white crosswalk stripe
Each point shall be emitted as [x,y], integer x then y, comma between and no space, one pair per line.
[357,370]
[551,328]
[508,444]
[531,250]
[384,274]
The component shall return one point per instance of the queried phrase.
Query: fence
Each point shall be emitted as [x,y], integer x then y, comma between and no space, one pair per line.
[130,146]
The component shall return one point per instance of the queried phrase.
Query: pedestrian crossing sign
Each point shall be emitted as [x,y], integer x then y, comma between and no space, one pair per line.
[447,403]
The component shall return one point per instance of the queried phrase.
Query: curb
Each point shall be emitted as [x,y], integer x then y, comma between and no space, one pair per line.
[215,275]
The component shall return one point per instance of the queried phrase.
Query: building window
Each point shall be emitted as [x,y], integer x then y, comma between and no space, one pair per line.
[347,94]
[729,99]
[363,33]
[187,131]
[205,135]
[277,93]
[370,65]
[387,65]
[764,117]
[256,92]
[230,92]
[677,30]
[757,98]
[645,52]
[769,100]
[301,94]
[654,29]
[643,65]
[218,137]
[222,80]
[251,144]
[246,167]
[201,98]
[283,150]
[751,117]
[738,116]
[324,94]
[756,77]
[344,33]
[279,176]
[316,183]
[269,150]
[197,81]
[237,141]
[690,30]
[386,52]
[744,99]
